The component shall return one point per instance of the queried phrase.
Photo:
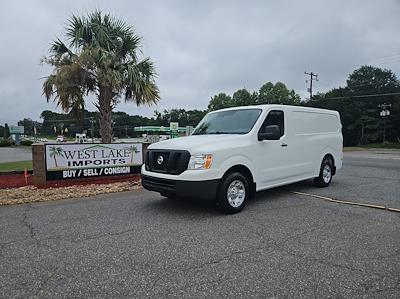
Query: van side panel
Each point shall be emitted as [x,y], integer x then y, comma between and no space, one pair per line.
[316,134]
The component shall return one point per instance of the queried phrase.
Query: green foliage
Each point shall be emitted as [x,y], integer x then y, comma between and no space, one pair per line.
[269,93]
[26,142]
[16,166]
[277,94]
[5,142]
[28,125]
[6,131]
[183,117]
[101,59]
[360,117]
[220,101]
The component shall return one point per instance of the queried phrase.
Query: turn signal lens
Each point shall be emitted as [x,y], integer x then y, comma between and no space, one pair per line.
[200,162]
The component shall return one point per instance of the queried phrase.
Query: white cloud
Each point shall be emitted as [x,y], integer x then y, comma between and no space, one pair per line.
[204,47]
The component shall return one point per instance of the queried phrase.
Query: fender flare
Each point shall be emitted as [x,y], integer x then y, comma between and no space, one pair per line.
[327,151]
[238,160]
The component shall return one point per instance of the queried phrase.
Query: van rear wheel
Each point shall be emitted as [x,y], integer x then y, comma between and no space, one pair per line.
[233,193]
[325,173]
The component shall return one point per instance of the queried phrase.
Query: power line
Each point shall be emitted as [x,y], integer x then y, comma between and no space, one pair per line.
[364,96]
[384,57]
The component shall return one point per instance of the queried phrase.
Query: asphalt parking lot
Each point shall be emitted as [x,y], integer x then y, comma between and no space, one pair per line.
[138,244]
[15,153]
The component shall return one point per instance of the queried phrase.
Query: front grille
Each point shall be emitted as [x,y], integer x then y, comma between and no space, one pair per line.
[167,161]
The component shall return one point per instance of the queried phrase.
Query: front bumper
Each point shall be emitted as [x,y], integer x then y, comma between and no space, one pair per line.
[197,189]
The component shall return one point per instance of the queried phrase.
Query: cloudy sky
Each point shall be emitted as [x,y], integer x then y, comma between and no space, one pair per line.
[201,48]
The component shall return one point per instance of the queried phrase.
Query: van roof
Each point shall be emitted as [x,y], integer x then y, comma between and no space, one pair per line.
[278,106]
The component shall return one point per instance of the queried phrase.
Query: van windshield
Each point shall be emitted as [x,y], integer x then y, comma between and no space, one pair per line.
[228,122]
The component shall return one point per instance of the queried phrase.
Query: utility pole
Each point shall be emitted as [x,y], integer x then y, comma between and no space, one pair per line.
[312,78]
[384,112]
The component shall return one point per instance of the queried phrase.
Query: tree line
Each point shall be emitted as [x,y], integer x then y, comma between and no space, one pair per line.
[99,56]
[357,102]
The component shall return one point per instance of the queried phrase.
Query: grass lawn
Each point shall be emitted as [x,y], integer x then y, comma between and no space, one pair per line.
[20,165]
[382,145]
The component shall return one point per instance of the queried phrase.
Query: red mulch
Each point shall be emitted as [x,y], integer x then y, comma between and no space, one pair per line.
[18,180]
[14,180]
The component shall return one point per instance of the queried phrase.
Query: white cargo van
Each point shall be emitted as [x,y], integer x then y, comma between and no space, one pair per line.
[234,152]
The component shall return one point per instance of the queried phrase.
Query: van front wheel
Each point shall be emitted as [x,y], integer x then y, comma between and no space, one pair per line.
[325,173]
[233,193]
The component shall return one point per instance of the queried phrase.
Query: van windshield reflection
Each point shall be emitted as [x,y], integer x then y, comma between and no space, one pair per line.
[228,122]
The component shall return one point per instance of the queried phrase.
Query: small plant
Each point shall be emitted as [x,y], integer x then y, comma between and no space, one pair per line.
[26,142]
[5,142]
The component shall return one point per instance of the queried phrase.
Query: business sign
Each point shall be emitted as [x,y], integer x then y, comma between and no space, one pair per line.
[16,129]
[72,161]
[173,126]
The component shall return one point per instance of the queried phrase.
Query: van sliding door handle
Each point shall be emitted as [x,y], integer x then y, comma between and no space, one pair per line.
[283,144]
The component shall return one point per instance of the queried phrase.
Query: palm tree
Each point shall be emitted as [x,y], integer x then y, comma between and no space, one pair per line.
[133,150]
[100,59]
[54,152]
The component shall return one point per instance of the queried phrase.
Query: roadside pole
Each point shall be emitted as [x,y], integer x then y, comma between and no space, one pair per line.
[384,113]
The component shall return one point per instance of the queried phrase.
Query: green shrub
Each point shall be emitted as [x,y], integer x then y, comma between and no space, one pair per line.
[26,142]
[5,142]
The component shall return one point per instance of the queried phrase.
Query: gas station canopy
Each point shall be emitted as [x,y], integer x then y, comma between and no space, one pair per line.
[158,129]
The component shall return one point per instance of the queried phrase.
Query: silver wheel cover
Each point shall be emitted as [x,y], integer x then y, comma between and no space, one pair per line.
[236,193]
[327,173]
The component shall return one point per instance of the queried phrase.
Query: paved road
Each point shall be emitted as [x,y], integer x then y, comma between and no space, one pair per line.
[137,244]
[17,153]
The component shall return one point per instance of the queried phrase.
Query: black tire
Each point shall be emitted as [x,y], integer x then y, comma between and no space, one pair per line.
[222,198]
[168,195]
[323,181]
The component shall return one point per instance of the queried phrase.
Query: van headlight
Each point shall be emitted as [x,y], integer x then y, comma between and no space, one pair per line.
[200,162]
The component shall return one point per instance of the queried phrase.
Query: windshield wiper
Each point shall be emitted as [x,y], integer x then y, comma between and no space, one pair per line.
[215,133]
[218,132]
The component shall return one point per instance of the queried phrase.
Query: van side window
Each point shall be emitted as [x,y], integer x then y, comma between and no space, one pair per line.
[274,117]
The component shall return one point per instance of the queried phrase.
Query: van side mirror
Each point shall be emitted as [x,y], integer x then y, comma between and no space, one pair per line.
[271,132]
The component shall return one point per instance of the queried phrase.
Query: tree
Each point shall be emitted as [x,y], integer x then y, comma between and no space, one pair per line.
[277,94]
[133,150]
[6,133]
[242,97]
[101,59]
[220,101]
[55,152]
[28,125]
[360,115]
[183,117]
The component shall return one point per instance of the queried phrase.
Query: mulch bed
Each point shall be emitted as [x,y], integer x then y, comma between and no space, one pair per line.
[16,180]
[15,190]
[30,194]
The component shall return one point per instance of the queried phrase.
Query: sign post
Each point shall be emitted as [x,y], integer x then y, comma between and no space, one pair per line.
[17,131]
[174,127]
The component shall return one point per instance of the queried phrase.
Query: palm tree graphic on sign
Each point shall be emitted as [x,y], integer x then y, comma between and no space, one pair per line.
[133,150]
[56,151]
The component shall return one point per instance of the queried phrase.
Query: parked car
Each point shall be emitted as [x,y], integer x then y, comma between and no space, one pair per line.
[81,138]
[60,138]
[235,152]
